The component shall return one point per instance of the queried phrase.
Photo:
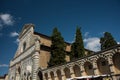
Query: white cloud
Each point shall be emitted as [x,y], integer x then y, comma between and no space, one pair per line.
[6,19]
[4,65]
[17,41]
[92,43]
[14,34]
[86,34]
[118,42]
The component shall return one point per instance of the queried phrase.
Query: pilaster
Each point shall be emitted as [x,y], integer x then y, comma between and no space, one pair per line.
[82,70]
[55,76]
[63,74]
[44,78]
[72,72]
[111,66]
[49,77]
[17,76]
[35,66]
[95,68]
[35,58]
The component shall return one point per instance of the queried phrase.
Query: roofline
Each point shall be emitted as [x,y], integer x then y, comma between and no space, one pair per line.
[46,36]
[43,35]
[113,47]
[118,45]
[26,26]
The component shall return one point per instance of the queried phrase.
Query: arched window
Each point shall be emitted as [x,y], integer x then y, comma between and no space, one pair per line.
[24,46]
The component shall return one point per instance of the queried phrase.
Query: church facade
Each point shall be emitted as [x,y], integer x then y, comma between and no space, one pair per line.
[33,54]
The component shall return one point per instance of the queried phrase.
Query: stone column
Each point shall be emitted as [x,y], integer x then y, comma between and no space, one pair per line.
[112,68]
[110,62]
[55,75]
[63,74]
[36,59]
[17,76]
[95,68]
[72,72]
[35,65]
[44,78]
[49,76]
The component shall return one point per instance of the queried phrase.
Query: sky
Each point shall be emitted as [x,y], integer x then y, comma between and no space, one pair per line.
[93,16]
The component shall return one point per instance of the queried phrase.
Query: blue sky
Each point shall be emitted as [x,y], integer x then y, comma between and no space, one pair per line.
[94,16]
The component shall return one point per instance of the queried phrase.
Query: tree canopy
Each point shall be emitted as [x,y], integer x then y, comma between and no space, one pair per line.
[107,41]
[57,48]
[77,48]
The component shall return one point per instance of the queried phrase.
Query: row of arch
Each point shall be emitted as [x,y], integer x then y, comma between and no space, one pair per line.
[102,66]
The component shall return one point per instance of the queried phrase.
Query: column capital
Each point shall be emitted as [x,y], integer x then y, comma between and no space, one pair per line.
[35,65]
[37,45]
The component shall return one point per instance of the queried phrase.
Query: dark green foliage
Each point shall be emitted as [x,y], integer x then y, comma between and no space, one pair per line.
[57,48]
[77,48]
[107,41]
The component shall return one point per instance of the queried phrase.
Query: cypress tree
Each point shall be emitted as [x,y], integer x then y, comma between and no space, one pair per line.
[57,48]
[77,48]
[107,41]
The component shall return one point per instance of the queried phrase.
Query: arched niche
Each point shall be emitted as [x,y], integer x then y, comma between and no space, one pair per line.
[40,76]
[103,66]
[88,68]
[52,75]
[46,76]
[67,72]
[76,69]
[59,74]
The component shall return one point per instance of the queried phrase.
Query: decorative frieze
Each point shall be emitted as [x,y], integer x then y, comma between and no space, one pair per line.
[23,56]
[93,60]
[28,61]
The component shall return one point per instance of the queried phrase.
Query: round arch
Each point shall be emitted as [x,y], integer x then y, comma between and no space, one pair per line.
[46,76]
[59,74]
[19,70]
[52,75]
[67,72]
[40,76]
[76,69]
[103,66]
[88,68]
